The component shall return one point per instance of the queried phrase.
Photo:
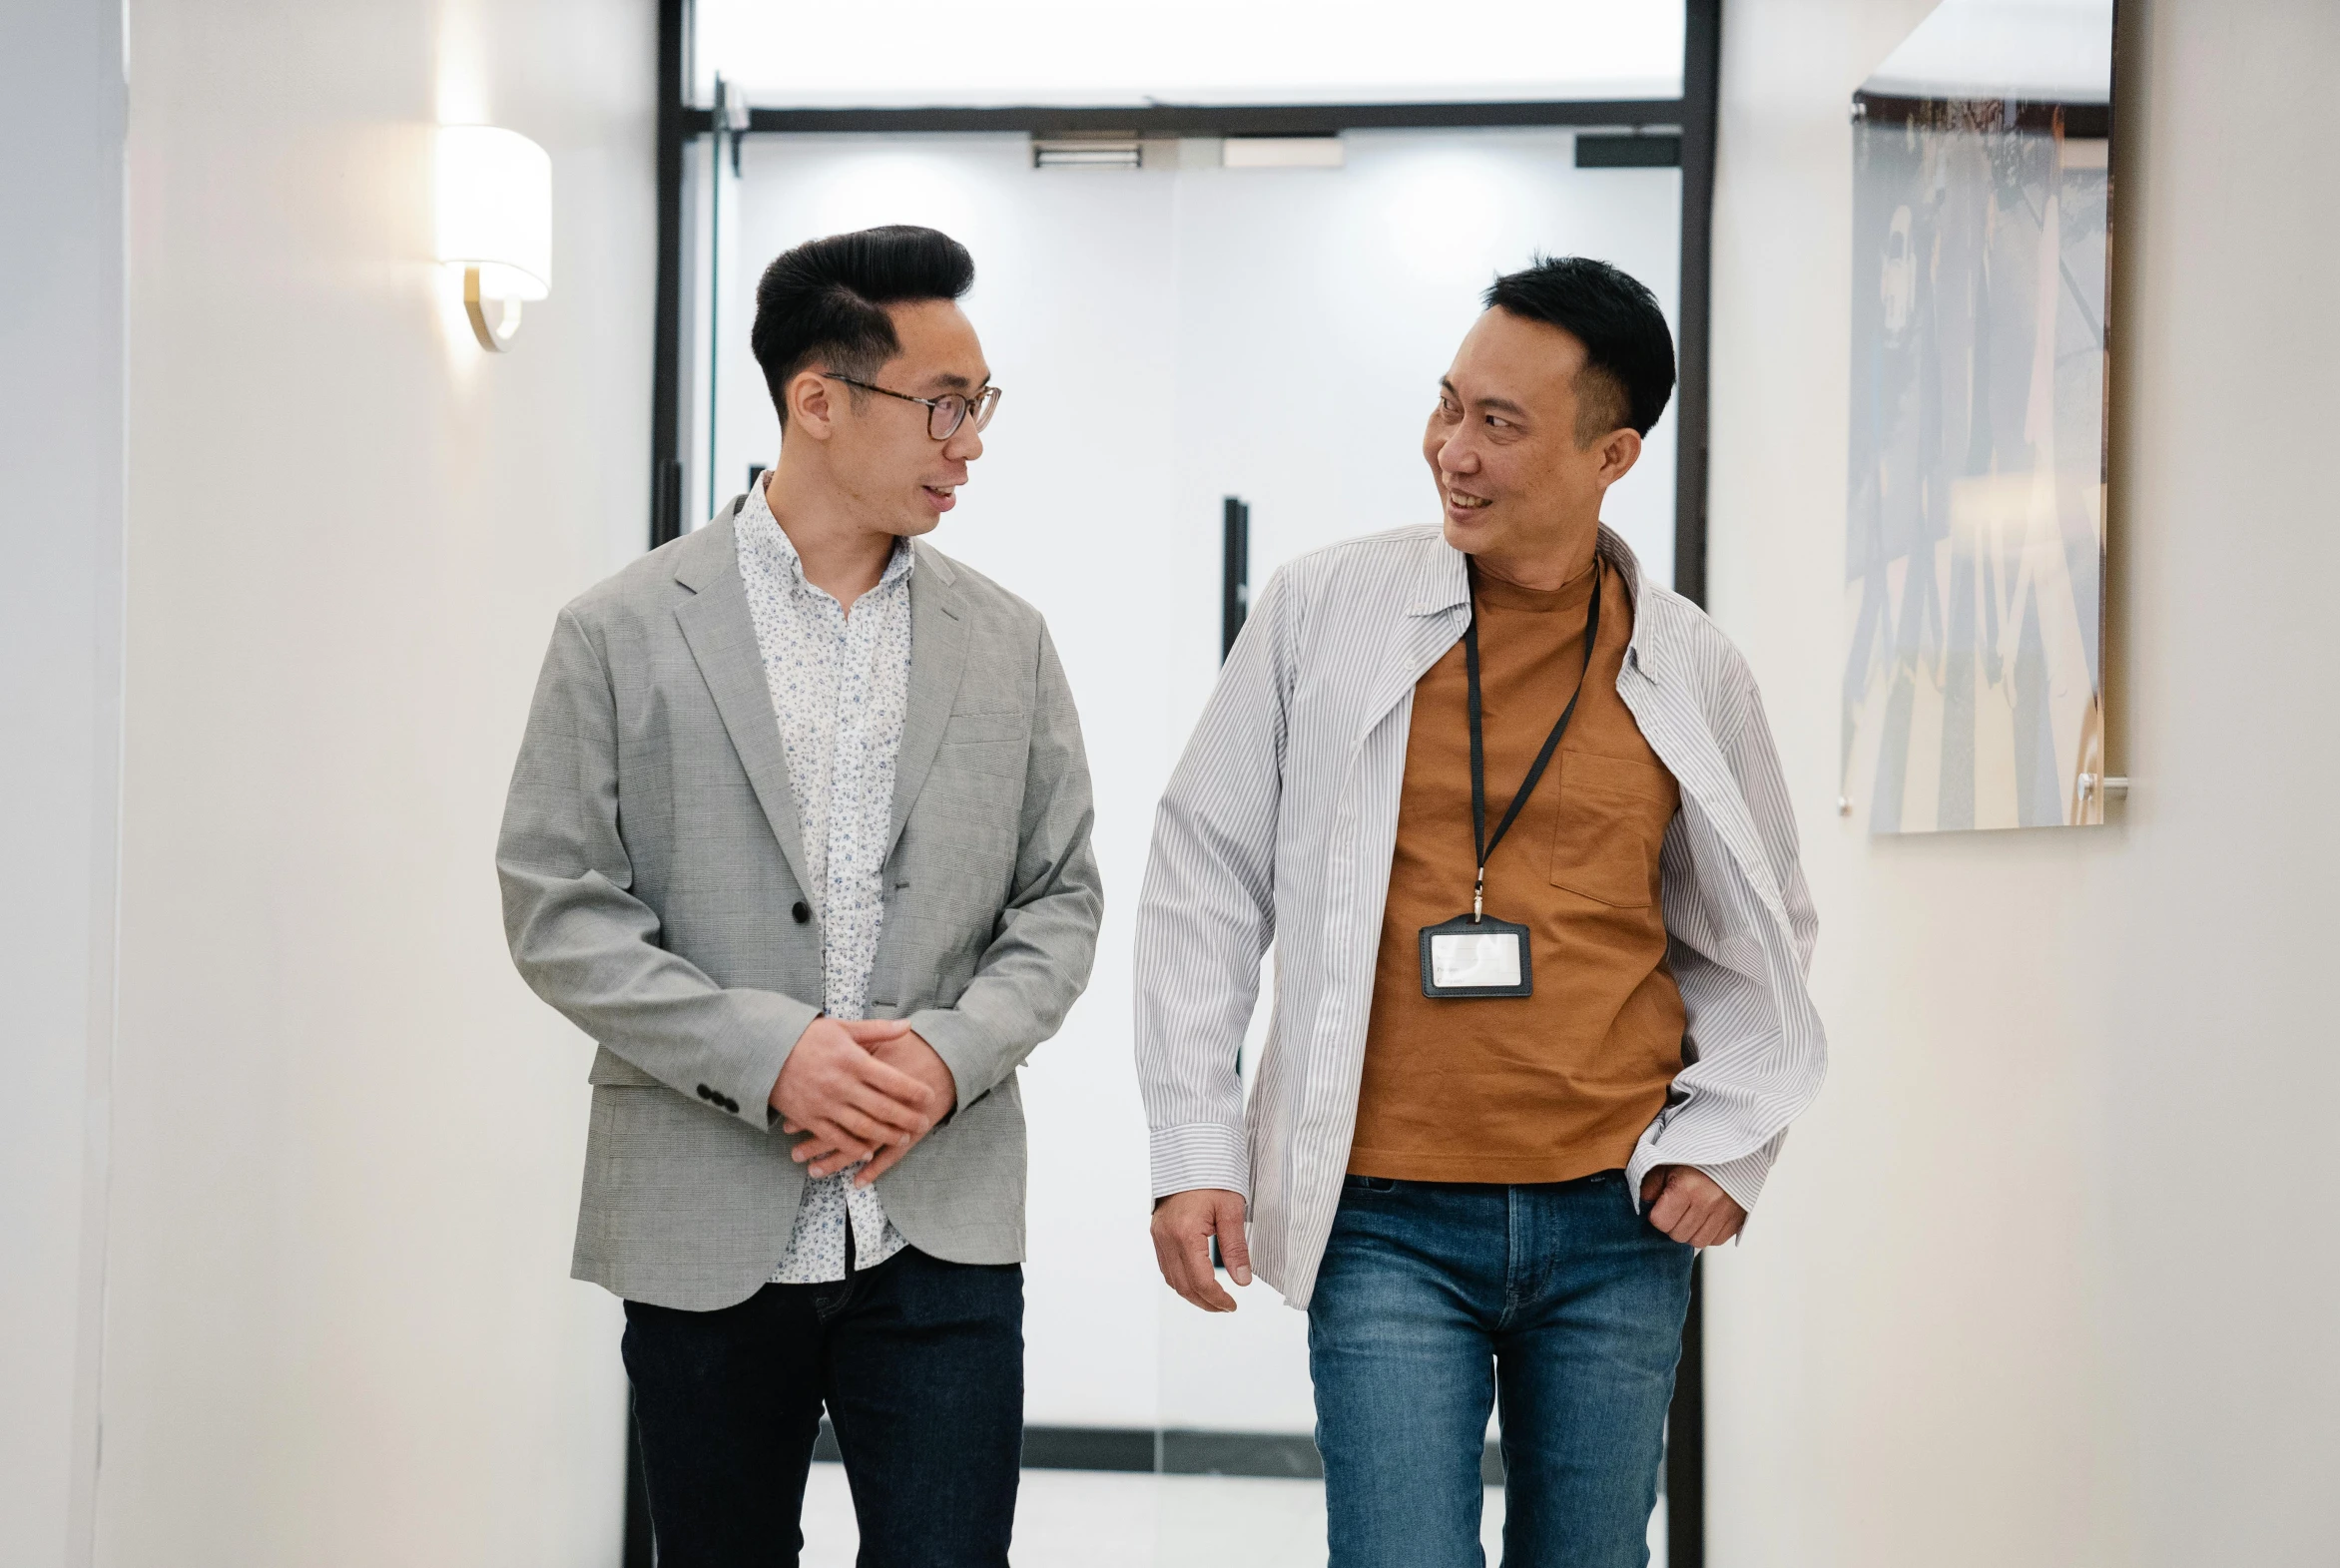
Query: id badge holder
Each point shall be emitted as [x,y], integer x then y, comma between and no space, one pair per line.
[1482,957]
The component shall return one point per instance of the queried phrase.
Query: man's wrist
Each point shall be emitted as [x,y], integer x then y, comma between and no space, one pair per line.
[936,1073]
[950,1035]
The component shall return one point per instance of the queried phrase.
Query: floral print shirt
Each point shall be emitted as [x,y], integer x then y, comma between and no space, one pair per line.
[839,685]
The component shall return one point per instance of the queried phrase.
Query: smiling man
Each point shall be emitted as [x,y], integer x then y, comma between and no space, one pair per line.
[1513,816]
[800,834]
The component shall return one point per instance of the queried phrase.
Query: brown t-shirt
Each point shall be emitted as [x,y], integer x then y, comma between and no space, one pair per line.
[1560,1084]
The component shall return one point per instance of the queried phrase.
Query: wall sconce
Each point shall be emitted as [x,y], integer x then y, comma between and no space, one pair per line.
[495,223]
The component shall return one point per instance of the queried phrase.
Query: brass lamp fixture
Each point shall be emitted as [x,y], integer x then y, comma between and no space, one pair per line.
[496,224]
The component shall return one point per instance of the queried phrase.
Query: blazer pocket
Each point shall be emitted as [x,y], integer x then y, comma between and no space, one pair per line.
[976,729]
[1612,824]
[1003,761]
[995,746]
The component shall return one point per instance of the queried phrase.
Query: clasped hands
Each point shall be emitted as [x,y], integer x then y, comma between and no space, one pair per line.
[861,1090]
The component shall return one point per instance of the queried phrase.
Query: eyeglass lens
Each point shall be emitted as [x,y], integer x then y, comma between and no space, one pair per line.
[950,410]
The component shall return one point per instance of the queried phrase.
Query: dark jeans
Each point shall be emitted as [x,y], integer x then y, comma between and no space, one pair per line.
[920,1364]
[1436,1298]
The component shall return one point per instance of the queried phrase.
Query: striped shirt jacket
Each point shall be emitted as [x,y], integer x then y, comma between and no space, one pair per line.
[1279,825]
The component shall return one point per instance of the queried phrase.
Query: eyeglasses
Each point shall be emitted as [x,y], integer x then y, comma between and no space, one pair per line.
[944,414]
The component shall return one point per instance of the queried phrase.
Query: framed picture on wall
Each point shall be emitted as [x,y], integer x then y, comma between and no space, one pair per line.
[1973,691]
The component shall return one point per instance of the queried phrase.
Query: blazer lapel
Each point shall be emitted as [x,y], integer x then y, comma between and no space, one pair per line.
[938,657]
[722,638]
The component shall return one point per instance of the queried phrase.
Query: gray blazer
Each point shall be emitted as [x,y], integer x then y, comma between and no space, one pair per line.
[652,872]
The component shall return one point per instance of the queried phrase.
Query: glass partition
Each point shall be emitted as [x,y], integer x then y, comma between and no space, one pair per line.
[1168,335]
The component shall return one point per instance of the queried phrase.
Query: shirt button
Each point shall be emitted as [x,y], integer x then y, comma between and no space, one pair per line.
[799,911]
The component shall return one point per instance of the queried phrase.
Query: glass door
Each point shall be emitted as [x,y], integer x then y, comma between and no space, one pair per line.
[1169,335]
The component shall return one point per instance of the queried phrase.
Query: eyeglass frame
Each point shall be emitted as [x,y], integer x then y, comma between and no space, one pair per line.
[987,394]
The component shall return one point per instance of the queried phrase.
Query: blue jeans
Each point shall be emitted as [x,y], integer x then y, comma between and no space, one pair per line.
[920,1364]
[1436,1298]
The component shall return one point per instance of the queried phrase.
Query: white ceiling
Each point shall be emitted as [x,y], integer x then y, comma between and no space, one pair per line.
[886,53]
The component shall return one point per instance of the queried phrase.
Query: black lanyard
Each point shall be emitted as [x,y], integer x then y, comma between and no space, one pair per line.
[1552,742]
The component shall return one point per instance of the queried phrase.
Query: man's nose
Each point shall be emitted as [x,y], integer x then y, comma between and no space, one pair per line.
[965,443]
[1457,453]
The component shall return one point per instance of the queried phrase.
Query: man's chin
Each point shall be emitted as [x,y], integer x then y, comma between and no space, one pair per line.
[1468,535]
[912,526]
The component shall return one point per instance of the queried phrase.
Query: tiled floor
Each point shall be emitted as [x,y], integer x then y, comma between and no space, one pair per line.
[1087,1518]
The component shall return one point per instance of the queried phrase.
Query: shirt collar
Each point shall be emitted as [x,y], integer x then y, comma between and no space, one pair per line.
[1446,585]
[770,547]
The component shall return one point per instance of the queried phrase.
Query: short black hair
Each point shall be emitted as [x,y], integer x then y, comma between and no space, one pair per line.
[1628,373]
[824,301]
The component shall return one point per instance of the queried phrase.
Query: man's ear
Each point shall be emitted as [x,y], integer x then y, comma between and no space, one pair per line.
[1620,449]
[809,409]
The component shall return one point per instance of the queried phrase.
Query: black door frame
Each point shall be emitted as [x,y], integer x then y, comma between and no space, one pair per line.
[1693,114]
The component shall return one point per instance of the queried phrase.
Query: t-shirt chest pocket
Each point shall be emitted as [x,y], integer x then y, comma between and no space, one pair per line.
[1611,827]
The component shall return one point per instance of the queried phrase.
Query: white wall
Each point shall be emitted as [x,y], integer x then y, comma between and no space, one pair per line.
[2042,1278]
[339,1328]
[60,716]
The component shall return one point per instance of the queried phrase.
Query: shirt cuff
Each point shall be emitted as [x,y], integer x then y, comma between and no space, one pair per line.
[1201,1154]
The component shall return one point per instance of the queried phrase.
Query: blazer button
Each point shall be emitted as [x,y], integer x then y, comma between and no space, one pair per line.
[731,1105]
[800,913]
[706,1093]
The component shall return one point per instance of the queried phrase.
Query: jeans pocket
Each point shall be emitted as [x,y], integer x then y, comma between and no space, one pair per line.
[1381,1185]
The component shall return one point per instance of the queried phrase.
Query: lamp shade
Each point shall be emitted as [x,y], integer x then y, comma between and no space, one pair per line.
[495,209]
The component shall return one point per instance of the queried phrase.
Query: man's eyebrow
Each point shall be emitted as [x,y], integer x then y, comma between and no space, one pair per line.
[960,383]
[1500,405]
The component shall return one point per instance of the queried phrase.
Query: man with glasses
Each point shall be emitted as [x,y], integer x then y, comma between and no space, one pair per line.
[800,834]
[1513,816]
